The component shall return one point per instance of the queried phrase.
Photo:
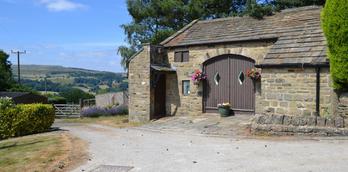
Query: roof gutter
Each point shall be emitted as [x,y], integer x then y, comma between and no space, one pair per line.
[293,65]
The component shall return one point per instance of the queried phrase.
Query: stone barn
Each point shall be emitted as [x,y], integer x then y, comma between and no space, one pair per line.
[288,48]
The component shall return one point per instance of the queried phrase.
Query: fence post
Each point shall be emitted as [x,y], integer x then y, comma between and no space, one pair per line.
[81,103]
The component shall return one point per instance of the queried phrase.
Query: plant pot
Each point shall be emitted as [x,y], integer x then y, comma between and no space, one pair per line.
[224,111]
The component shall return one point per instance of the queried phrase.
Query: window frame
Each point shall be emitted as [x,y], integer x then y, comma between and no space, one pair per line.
[183,87]
[181,56]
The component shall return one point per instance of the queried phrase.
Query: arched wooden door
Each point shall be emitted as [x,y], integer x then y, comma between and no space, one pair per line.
[227,81]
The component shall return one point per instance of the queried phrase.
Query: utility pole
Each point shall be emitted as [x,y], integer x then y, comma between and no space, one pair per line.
[19,69]
[46,85]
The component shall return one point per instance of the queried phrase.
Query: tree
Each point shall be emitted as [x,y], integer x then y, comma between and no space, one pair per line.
[74,95]
[335,26]
[155,20]
[6,79]
[283,4]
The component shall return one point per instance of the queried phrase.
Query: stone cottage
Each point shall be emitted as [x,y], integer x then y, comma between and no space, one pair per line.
[288,48]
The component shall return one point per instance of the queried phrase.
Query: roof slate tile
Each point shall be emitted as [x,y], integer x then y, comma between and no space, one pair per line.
[300,38]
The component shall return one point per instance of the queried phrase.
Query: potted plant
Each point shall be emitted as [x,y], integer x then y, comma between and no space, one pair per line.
[224,109]
[198,76]
[254,74]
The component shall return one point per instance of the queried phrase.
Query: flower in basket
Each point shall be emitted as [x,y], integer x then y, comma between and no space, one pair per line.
[254,74]
[224,105]
[198,76]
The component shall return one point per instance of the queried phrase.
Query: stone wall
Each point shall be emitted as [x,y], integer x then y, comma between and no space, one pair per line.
[290,125]
[109,99]
[177,103]
[342,105]
[289,91]
[292,91]
[139,86]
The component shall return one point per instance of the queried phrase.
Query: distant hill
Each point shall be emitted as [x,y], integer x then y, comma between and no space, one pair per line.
[59,78]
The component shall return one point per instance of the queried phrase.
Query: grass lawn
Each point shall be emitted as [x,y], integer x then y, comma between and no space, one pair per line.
[41,152]
[120,121]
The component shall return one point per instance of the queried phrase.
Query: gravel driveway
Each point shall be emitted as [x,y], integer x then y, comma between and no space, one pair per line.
[156,150]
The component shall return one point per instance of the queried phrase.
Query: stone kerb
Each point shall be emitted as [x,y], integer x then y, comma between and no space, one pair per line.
[294,125]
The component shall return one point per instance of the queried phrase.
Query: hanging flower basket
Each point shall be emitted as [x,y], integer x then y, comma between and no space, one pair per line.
[254,74]
[198,76]
[224,109]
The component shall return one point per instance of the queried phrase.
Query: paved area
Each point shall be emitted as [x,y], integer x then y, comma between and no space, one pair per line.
[162,146]
[207,124]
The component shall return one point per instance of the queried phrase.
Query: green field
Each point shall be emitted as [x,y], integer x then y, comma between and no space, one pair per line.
[58,78]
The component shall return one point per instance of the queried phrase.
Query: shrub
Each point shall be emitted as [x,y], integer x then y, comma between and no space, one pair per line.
[73,95]
[25,119]
[335,26]
[104,111]
[56,100]
[93,112]
[6,102]
[121,110]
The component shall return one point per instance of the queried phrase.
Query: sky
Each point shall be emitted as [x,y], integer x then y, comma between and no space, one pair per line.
[71,33]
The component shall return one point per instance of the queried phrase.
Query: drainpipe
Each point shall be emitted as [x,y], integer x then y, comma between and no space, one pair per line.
[317,98]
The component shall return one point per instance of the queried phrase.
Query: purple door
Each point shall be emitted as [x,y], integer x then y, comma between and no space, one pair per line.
[227,82]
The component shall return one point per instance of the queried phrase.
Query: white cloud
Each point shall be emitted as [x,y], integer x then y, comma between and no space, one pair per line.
[62,5]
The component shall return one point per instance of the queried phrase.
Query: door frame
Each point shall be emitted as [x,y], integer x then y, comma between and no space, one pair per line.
[214,110]
[159,112]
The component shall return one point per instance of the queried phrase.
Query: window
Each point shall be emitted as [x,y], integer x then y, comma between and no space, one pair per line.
[186,87]
[241,78]
[217,78]
[181,56]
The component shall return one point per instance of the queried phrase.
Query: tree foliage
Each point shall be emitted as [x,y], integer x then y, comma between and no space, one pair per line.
[155,20]
[74,95]
[283,4]
[335,25]
[6,79]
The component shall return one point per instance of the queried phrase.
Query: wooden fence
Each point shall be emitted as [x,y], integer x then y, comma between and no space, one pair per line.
[67,110]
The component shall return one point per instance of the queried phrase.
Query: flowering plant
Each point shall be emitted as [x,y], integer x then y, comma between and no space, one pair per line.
[224,105]
[198,76]
[94,111]
[254,74]
[6,102]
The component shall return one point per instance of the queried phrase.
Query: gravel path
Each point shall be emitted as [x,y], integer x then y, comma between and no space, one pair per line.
[169,151]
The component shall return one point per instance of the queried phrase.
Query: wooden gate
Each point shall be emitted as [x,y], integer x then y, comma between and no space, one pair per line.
[67,110]
[227,82]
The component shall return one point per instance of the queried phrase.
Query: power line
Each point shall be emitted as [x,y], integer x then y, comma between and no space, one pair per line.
[19,69]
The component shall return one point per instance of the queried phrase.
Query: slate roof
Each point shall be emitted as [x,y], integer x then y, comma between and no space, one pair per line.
[162,68]
[297,34]
[13,94]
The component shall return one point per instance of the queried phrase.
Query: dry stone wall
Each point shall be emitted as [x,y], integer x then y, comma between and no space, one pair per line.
[139,86]
[342,105]
[292,91]
[290,125]
[110,99]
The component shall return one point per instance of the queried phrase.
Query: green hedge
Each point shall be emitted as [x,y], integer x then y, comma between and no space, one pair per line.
[25,119]
[56,100]
[335,26]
